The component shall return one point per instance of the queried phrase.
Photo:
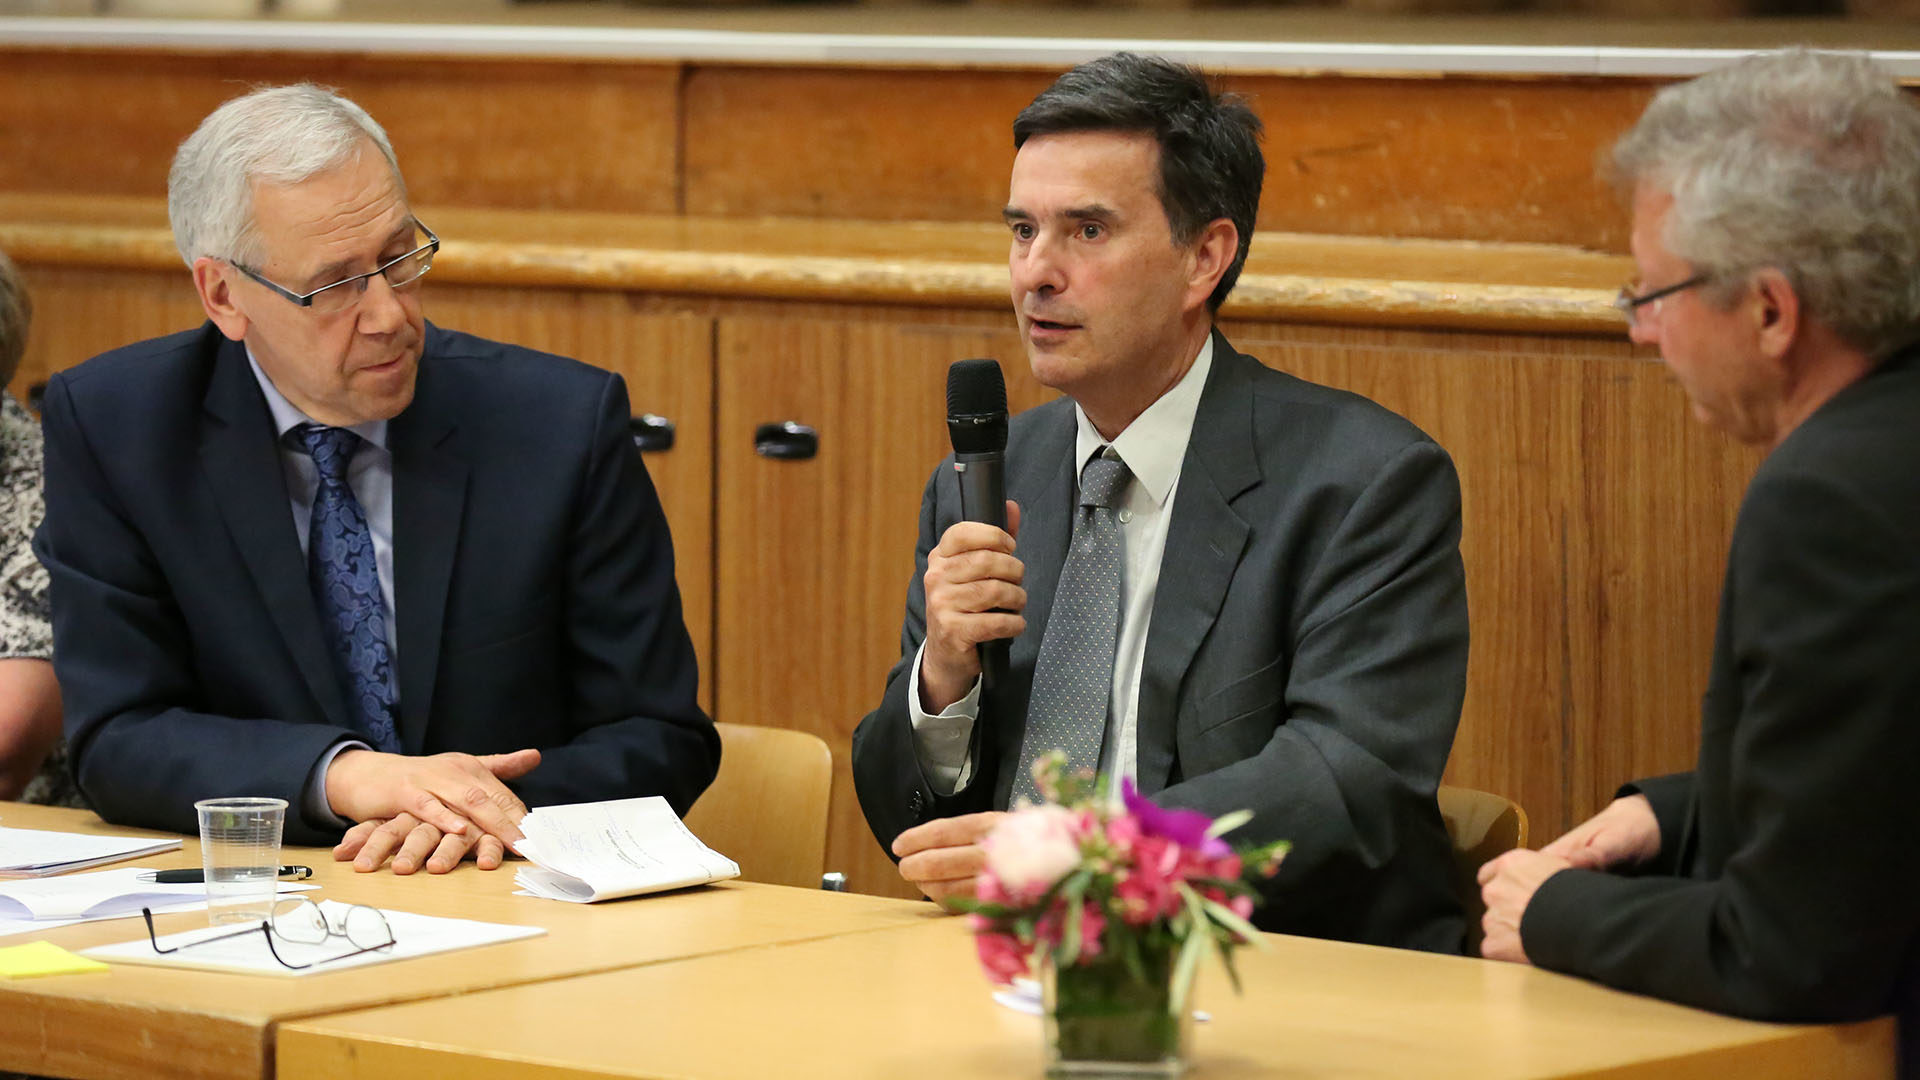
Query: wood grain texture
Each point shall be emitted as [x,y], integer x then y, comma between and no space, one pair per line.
[137,1021]
[889,1003]
[1476,158]
[483,132]
[1453,158]
[1290,276]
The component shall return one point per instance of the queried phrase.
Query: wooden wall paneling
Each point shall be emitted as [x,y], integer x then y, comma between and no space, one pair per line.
[667,362]
[815,556]
[1658,504]
[572,134]
[864,143]
[1454,158]
[1457,158]
[82,312]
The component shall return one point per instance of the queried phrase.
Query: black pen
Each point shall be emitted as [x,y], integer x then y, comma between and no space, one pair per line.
[195,877]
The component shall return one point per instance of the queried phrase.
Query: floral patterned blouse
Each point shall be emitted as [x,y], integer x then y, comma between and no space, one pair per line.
[25,630]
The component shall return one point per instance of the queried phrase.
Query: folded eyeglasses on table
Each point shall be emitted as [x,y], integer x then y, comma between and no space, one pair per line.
[299,921]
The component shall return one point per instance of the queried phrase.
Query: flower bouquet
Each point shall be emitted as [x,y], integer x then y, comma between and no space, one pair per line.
[1114,906]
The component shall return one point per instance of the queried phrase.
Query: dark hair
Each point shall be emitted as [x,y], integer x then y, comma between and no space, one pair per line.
[1210,161]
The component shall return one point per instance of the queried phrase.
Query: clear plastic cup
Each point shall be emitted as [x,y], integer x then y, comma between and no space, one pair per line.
[240,852]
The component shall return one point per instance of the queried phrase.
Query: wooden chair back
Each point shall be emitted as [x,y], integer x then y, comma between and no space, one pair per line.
[1482,826]
[767,809]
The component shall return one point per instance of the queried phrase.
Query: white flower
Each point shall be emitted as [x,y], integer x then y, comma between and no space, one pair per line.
[1031,849]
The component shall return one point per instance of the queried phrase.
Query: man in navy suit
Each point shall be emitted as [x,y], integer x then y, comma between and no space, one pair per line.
[409,580]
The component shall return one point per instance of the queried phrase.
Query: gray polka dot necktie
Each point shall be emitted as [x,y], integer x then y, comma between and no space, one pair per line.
[1074,672]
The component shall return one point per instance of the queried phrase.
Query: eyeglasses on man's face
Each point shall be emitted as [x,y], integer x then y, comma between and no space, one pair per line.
[346,293]
[1630,301]
[301,922]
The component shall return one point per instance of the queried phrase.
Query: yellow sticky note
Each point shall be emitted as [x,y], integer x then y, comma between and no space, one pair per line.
[43,958]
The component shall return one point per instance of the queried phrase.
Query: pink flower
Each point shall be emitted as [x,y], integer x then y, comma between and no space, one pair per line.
[1031,850]
[1000,954]
[1242,906]
[1092,925]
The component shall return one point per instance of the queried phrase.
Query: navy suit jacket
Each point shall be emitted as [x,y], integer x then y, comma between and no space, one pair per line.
[1306,656]
[533,577]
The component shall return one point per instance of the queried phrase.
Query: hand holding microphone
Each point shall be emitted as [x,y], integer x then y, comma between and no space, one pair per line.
[973,581]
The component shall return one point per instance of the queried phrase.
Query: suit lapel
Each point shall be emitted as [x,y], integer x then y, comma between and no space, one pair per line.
[1205,540]
[429,498]
[239,456]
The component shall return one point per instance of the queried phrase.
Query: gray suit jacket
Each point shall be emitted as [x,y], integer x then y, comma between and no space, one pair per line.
[1306,657]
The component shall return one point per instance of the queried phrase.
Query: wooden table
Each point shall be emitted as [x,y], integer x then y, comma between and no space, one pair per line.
[911,1002]
[139,1021]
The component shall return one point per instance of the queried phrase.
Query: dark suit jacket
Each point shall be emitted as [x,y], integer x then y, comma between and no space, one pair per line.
[533,577]
[1787,888]
[1305,659]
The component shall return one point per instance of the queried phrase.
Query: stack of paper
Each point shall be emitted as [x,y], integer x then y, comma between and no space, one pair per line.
[104,894]
[413,935]
[605,850]
[37,852]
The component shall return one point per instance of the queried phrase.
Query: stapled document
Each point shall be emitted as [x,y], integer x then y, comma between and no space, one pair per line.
[586,852]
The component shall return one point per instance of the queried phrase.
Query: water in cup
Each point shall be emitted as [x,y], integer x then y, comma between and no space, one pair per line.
[240,853]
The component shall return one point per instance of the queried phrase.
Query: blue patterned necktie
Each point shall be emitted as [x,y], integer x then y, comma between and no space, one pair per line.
[346,587]
[1073,675]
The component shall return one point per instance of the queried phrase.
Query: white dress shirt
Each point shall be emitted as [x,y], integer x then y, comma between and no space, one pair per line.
[1153,448]
[370,476]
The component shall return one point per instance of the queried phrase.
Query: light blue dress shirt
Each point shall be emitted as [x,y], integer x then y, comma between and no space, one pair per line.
[371,478]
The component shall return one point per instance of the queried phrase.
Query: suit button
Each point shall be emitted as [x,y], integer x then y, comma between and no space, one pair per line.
[915,804]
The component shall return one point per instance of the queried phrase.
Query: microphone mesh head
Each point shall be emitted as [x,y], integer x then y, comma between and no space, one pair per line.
[977,406]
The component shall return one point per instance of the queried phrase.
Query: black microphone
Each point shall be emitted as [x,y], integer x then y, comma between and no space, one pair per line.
[977,424]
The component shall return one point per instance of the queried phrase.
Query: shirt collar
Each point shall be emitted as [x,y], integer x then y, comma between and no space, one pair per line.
[1155,444]
[287,416]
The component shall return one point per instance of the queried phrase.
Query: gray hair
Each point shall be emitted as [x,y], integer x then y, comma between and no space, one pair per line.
[16,313]
[279,135]
[1806,162]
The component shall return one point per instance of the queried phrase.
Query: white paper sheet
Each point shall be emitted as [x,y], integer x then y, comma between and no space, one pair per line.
[414,935]
[44,903]
[38,852]
[585,852]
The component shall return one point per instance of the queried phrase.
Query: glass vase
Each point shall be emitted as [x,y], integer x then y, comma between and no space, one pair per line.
[1103,1020]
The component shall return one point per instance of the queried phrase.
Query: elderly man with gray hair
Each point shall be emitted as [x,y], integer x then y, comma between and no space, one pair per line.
[409,580]
[1776,230]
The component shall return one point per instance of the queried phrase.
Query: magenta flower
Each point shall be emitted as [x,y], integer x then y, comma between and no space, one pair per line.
[1187,828]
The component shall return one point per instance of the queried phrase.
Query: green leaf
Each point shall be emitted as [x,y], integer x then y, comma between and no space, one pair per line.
[1226,960]
[1226,823]
[1221,914]
[1189,961]
[1070,937]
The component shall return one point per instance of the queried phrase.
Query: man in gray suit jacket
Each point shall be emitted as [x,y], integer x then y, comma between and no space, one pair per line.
[1292,629]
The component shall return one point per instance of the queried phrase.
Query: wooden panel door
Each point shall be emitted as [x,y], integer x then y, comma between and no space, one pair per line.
[815,556]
